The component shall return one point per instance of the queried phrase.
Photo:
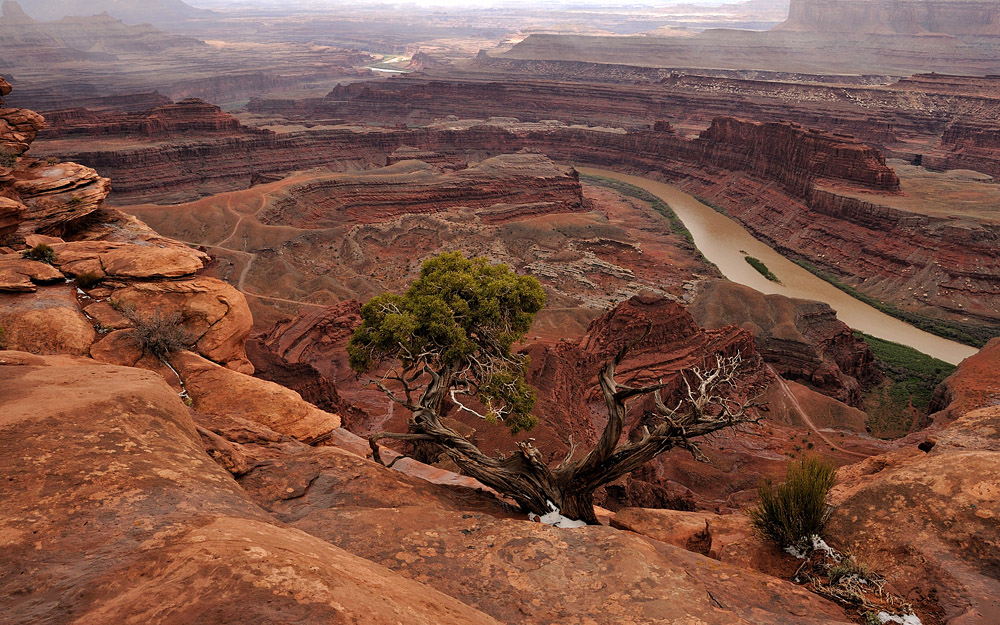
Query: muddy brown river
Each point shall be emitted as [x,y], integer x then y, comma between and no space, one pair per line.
[725,243]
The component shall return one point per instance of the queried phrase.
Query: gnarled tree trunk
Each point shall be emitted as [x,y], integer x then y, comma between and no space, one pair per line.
[569,487]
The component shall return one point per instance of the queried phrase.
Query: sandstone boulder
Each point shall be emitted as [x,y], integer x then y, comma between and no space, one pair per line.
[58,197]
[128,260]
[21,274]
[18,128]
[214,313]
[253,399]
[10,217]
[113,513]
[48,321]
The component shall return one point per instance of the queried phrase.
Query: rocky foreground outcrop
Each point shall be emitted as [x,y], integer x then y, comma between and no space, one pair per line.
[929,516]
[115,513]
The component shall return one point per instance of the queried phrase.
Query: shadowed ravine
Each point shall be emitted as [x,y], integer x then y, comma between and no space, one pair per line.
[725,243]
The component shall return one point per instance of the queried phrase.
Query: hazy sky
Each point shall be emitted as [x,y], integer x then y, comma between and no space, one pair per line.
[208,4]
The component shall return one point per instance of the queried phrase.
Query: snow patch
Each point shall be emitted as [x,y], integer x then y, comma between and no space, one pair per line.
[804,547]
[554,518]
[906,619]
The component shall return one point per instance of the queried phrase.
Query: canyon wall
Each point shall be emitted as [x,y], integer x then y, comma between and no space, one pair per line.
[806,152]
[789,199]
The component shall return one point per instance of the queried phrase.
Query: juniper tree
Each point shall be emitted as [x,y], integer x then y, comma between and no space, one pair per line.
[447,343]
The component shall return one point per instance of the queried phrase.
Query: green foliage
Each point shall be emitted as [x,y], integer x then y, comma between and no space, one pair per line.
[910,379]
[462,317]
[88,279]
[795,509]
[8,160]
[3,342]
[761,268]
[42,253]
[965,333]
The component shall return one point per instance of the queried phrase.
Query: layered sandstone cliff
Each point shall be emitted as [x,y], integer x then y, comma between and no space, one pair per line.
[807,152]
[499,188]
[190,116]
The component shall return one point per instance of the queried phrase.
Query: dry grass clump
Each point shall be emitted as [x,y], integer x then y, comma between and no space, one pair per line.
[157,333]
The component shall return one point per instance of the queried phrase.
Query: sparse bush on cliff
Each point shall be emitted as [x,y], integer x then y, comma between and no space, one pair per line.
[157,333]
[8,160]
[88,279]
[42,253]
[796,509]
[447,343]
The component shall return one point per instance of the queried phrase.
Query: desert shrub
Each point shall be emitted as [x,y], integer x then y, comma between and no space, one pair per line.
[7,159]
[88,279]
[795,509]
[3,342]
[157,334]
[42,253]
[74,201]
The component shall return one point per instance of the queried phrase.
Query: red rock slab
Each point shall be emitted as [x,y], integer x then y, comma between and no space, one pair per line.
[725,537]
[515,570]
[213,312]
[253,399]
[128,260]
[104,314]
[113,513]
[928,520]
[524,572]
[45,322]
[22,275]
